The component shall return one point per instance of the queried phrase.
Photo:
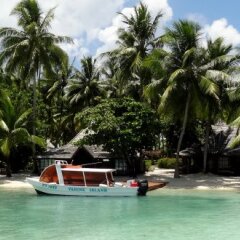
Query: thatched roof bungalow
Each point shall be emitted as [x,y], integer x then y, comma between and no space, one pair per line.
[81,155]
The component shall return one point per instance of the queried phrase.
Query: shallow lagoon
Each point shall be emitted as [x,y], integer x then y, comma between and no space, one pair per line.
[163,214]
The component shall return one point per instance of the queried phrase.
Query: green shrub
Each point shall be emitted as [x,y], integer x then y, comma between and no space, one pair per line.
[166,163]
[148,165]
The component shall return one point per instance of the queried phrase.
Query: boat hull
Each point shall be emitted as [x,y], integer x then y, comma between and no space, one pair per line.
[69,190]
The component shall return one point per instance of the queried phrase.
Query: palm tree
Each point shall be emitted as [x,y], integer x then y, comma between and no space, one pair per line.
[182,76]
[219,66]
[156,62]
[111,75]
[13,131]
[57,79]
[32,47]
[28,49]
[135,42]
[56,108]
[85,89]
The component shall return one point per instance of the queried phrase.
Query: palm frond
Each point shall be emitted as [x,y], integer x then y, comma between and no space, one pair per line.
[8,32]
[47,19]
[209,87]
[137,62]
[5,147]
[176,74]
[234,142]
[23,119]
[38,141]
[217,75]
[152,92]
[20,136]
[188,54]
[3,127]
[167,93]
[234,94]
[236,122]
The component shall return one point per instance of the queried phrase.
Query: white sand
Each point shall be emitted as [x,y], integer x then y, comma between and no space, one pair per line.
[16,181]
[197,181]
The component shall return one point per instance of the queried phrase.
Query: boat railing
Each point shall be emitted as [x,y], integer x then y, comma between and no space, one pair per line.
[60,162]
[90,164]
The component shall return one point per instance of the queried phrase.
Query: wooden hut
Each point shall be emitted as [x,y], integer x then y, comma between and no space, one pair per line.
[82,155]
[221,159]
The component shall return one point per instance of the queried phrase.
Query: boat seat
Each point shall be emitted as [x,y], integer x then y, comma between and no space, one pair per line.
[103,185]
[118,184]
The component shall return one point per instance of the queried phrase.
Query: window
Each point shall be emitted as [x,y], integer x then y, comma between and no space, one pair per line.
[120,166]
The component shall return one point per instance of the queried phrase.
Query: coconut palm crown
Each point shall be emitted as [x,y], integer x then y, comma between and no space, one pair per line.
[30,46]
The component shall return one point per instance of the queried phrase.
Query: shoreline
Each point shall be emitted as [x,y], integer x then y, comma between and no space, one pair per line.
[198,181]
[17,181]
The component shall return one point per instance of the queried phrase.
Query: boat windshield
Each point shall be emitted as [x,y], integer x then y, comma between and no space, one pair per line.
[78,176]
[82,178]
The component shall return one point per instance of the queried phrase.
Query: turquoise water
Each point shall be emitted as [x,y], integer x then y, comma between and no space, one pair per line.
[163,214]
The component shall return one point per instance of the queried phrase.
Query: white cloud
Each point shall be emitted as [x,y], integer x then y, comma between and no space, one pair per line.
[197,17]
[108,35]
[75,50]
[221,28]
[86,20]
[75,18]
[5,19]
[155,6]
[95,22]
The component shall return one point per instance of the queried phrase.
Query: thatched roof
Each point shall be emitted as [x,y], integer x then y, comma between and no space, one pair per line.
[226,130]
[222,138]
[97,152]
[63,153]
[67,152]
[233,152]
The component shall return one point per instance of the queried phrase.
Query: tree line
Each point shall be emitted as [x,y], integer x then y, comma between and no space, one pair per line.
[181,84]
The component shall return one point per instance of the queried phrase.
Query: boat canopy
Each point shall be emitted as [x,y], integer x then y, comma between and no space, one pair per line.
[97,170]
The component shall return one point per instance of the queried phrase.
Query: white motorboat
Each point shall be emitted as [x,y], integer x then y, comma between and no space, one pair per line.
[62,178]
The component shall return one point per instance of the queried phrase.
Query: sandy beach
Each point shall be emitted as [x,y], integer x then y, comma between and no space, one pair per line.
[16,181]
[197,181]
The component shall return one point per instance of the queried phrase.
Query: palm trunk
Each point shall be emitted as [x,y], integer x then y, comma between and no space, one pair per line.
[128,160]
[206,147]
[163,143]
[61,106]
[176,173]
[35,167]
[8,167]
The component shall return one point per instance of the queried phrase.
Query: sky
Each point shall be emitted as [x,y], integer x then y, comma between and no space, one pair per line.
[93,24]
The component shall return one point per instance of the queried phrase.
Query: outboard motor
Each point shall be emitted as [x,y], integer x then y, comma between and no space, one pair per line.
[143,187]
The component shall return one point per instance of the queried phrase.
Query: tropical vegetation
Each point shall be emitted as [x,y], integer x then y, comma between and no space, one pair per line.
[153,91]
[122,126]
[13,130]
